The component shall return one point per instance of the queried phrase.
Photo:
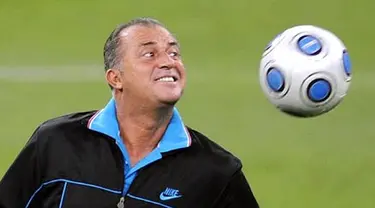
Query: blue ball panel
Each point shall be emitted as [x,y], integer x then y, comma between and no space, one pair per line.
[347,63]
[309,45]
[319,90]
[275,80]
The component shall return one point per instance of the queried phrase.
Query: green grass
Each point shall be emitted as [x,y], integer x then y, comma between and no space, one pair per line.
[321,162]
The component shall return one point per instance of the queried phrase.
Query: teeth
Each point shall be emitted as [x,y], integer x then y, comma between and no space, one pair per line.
[166,79]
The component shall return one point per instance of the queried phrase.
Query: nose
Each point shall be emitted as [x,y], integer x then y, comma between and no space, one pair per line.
[166,62]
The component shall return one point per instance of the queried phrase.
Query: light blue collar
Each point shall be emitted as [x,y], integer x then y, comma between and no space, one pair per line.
[175,137]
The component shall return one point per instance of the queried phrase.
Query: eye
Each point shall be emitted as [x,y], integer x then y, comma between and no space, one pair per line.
[174,54]
[149,54]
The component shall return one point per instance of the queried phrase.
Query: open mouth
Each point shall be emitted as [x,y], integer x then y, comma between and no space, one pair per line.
[167,79]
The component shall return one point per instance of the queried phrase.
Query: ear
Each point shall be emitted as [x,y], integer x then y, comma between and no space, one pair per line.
[113,77]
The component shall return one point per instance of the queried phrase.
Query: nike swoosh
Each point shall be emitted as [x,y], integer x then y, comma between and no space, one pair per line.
[164,197]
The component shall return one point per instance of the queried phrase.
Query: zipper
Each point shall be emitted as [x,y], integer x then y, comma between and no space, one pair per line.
[120,204]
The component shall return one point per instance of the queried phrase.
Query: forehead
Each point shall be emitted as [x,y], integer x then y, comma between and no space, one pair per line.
[140,34]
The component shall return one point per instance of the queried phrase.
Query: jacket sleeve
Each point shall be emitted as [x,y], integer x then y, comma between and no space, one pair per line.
[22,178]
[237,194]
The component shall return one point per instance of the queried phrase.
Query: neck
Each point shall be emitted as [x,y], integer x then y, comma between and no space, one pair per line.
[141,127]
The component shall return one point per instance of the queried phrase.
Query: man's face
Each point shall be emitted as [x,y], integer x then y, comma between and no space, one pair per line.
[152,66]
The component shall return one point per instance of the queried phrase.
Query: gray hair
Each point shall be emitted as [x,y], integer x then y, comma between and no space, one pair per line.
[112,55]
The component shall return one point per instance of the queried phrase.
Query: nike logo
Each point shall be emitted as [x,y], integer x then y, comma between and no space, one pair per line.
[169,194]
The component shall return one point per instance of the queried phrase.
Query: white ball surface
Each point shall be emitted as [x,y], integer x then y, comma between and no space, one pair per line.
[305,71]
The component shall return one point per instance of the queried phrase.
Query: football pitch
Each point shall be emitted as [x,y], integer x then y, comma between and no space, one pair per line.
[51,64]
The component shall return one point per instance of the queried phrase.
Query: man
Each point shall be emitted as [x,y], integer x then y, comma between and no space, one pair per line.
[135,152]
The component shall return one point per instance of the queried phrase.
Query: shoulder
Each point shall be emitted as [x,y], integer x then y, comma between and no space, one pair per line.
[56,126]
[67,121]
[213,154]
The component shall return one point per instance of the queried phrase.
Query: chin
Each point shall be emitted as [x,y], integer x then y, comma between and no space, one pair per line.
[170,99]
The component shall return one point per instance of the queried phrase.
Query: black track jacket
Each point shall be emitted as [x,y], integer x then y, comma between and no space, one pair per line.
[79,160]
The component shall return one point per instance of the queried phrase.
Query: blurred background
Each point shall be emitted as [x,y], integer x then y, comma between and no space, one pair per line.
[51,64]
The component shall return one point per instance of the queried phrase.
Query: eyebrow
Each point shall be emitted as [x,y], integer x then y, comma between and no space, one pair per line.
[148,43]
[171,43]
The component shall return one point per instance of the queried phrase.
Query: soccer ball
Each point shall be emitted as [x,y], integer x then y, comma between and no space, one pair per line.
[305,71]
